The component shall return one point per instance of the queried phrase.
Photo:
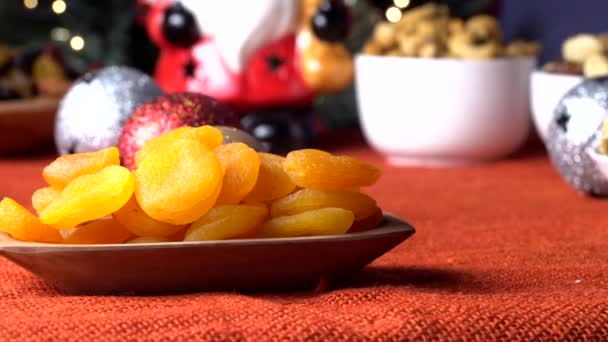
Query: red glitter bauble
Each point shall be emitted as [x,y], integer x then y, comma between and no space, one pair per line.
[169,112]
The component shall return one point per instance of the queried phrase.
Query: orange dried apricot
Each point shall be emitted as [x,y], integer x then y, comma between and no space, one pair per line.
[90,197]
[227,222]
[19,223]
[179,236]
[241,165]
[368,223]
[43,197]
[178,182]
[71,166]
[104,231]
[320,170]
[273,182]
[309,199]
[207,135]
[139,223]
[326,221]
[147,239]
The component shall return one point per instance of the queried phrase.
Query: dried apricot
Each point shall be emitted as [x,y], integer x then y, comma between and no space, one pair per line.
[90,197]
[326,221]
[139,223]
[227,222]
[71,166]
[19,223]
[309,199]
[241,165]
[320,170]
[178,182]
[147,239]
[368,223]
[104,231]
[43,197]
[272,181]
[208,135]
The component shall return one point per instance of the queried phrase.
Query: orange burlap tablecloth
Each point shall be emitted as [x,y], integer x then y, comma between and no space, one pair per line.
[504,251]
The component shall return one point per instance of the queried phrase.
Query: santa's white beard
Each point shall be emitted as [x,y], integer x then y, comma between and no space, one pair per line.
[240,28]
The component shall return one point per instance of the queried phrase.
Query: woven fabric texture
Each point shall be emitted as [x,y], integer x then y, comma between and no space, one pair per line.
[504,251]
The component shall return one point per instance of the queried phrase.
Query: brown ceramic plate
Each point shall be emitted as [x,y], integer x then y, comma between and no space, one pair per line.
[247,264]
[26,125]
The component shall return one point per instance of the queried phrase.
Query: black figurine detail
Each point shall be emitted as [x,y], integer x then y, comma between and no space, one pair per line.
[180,27]
[332,21]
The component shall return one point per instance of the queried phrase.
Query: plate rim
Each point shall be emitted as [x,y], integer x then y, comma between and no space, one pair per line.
[392,225]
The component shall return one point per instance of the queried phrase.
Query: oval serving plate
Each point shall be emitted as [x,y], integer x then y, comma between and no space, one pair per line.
[176,267]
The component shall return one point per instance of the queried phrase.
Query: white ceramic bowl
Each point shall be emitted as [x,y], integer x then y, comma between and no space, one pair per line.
[442,112]
[547,90]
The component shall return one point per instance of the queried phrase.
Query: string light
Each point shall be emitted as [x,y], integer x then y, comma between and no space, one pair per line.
[77,43]
[393,14]
[401,3]
[30,4]
[60,34]
[59,6]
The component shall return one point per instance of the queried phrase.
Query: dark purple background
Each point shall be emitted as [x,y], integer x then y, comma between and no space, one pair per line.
[551,21]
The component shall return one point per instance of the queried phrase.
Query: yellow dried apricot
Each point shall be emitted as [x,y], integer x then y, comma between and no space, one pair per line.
[90,197]
[139,223]
[368,223]
[241,165]
[43,197]
[71,166]
[326,221]
[178,182]
[19,223]
[227,222]
[272,181]
[320,170]
[147,239]
[309,199]
[104,231]
[207,135]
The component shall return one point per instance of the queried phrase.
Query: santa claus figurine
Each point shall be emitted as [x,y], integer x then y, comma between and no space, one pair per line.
[267,59]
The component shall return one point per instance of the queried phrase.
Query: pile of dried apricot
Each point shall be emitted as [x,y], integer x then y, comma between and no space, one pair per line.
[189,187]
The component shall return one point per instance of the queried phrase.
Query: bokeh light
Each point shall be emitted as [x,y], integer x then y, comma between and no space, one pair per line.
[393,14]
[401,3]
[59,6]
[77,43]
[30,4]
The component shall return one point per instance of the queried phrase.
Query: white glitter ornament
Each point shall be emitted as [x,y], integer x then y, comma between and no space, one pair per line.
[575,133]
[92,113]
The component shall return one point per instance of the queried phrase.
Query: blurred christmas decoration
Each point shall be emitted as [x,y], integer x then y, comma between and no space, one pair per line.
[575,136]
[86,33]
[167,113]
[89,34]
[93,112]
[268,61]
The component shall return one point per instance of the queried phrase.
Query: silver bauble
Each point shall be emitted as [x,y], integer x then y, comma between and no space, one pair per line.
[92,113]
[575,132]
[235,135]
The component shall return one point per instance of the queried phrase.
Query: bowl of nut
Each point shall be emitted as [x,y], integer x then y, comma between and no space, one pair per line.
[31,84]
[583,56]
[454,92]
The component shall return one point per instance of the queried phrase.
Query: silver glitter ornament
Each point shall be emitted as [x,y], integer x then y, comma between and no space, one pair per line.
[92,113]
[234,135]
[574,136]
